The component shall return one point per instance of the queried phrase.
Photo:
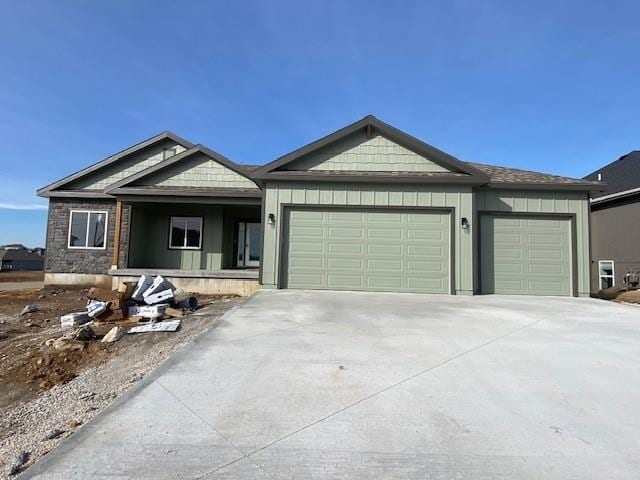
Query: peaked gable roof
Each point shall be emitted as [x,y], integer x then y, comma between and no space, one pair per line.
[50,190]
[620,175]
[452,171]
[131,184]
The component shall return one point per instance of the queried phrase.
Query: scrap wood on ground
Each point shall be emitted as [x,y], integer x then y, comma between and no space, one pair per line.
[36,354]
[149,300]
[43,388]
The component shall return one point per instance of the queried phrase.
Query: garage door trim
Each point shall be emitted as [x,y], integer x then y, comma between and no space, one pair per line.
[555,216]
[282,260]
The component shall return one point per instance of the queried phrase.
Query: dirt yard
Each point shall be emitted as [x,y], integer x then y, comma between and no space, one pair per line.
[44,391]
[632,296]
[21,277]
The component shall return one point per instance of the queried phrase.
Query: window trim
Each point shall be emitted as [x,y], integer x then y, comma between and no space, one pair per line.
[199,247]
[612,276]
[88,212]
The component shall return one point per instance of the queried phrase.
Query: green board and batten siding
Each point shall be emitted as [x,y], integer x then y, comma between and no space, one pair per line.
[382,249]
[149,241]
[390,196]
[573,204]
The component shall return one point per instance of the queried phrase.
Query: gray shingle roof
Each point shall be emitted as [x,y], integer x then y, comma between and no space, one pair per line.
[620,175]
[19,255]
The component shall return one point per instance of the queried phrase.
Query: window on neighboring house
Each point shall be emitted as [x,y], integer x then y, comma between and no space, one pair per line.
[185,233]
[605,272]
[87,229]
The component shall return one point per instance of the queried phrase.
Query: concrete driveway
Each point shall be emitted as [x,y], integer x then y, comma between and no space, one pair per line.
[326,385]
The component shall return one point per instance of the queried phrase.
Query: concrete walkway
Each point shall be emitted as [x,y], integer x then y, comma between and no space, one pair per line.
[20,285]
[326,385]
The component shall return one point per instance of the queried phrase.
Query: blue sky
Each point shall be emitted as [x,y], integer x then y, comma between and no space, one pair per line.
[547,85]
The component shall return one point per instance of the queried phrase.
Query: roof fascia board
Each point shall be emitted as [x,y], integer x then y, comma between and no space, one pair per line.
[468,180]
[115,157]
[172,192]
[222,160]
[615,196]
[75,194]
[591,187]
[194,199]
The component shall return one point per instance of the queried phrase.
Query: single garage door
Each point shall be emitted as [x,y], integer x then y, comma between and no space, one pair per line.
[525,255]
[372,249]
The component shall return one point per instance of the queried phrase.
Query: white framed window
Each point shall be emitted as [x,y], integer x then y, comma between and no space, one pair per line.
[185,233]
[606,273]
[88,229]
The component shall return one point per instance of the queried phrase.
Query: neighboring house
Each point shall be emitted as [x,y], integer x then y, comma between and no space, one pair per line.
[365,208]
[615,225]
[20,259]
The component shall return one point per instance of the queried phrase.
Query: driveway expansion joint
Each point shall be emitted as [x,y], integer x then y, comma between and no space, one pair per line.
[244,455]
[385,389]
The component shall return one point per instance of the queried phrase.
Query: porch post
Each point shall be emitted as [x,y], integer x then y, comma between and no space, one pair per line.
[116,239]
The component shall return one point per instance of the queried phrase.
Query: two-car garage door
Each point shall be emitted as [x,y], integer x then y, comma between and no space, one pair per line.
[367,249]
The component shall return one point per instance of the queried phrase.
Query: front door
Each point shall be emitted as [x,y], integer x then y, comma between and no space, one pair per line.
[248,244]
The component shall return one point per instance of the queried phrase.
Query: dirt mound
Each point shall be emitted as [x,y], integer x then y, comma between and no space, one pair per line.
[632,296]
[46,367]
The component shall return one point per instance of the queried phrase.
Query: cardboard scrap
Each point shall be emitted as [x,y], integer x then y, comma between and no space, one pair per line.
[170,326]
[126,289]
[175,312]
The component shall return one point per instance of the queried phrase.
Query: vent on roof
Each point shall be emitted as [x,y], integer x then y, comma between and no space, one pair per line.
[169,152]
[599,177]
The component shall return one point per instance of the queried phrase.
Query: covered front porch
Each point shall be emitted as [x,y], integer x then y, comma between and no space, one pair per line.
[210,247]
[194,216]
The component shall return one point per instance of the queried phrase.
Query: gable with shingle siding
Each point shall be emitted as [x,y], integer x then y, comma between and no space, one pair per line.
[359,153]
[126,167]
[196,171]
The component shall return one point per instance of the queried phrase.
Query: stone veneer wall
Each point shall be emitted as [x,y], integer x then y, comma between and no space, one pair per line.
[61,259]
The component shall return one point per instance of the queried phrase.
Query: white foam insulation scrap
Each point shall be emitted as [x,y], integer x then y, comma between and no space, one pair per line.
[170,326]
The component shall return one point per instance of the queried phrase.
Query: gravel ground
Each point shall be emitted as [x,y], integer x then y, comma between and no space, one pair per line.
[24,427]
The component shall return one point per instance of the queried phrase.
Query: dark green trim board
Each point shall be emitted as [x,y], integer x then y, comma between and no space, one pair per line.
[554,216]
[212,200]
[391,177]
[187,192]
[286,209]
[263,221]
[580,187]
[75,194]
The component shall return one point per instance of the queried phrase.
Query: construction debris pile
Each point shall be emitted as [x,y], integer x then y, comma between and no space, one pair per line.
[149,305]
